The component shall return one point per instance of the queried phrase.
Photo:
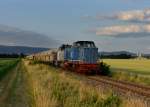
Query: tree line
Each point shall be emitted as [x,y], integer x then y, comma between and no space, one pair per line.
[120,56]
[13,55]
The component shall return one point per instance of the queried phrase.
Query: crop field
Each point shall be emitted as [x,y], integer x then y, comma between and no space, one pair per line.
[137,69]
[6,65]
[130,65]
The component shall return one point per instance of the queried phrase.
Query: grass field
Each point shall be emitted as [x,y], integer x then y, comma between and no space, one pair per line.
[130,65]
[135,70]
[6,65]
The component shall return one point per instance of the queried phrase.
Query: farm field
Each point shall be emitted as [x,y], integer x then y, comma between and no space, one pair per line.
[130,65]
[6,64]
[138,70]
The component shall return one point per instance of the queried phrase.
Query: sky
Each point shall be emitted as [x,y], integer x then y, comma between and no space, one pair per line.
[114,25]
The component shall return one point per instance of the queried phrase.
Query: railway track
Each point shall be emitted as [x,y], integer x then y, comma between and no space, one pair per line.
[121,86]
[124,87]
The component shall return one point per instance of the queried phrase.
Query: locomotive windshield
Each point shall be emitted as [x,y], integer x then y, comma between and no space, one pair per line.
[84,44]
[64,46]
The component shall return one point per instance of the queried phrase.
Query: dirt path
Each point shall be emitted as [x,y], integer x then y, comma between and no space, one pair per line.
[6,84]
[14,89]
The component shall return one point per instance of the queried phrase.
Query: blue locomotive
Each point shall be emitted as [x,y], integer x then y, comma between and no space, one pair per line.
[81,56]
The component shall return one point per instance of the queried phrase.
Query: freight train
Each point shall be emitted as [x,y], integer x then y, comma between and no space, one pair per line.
[81,57]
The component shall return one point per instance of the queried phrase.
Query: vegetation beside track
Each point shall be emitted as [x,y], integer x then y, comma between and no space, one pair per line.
[6,65]
[105,69]
[132,70]
[53,88]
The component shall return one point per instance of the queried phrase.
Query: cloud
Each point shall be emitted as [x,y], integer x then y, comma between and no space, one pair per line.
[148,48]
[146,28]
[114,30]
[138,24]
[123,31]
[132,16]
[17,37]
[137,15]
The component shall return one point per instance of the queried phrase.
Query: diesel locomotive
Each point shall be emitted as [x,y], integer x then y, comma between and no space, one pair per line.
[81,57]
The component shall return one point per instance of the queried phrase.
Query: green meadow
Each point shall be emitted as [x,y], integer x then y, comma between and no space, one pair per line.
[6,65]
[136,70]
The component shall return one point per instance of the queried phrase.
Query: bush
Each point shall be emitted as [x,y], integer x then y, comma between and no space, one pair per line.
[105,69]
[112,101]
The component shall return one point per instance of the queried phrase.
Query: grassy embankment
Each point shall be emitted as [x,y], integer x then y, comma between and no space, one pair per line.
[53,88]
[6,65]
[133,70]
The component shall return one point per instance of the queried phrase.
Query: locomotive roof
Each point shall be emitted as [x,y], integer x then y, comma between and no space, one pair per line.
[84,43]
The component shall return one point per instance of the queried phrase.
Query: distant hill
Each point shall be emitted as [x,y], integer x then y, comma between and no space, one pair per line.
[20,49]
[117,55]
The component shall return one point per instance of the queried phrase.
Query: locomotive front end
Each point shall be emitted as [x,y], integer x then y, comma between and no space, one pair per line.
[83,57]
